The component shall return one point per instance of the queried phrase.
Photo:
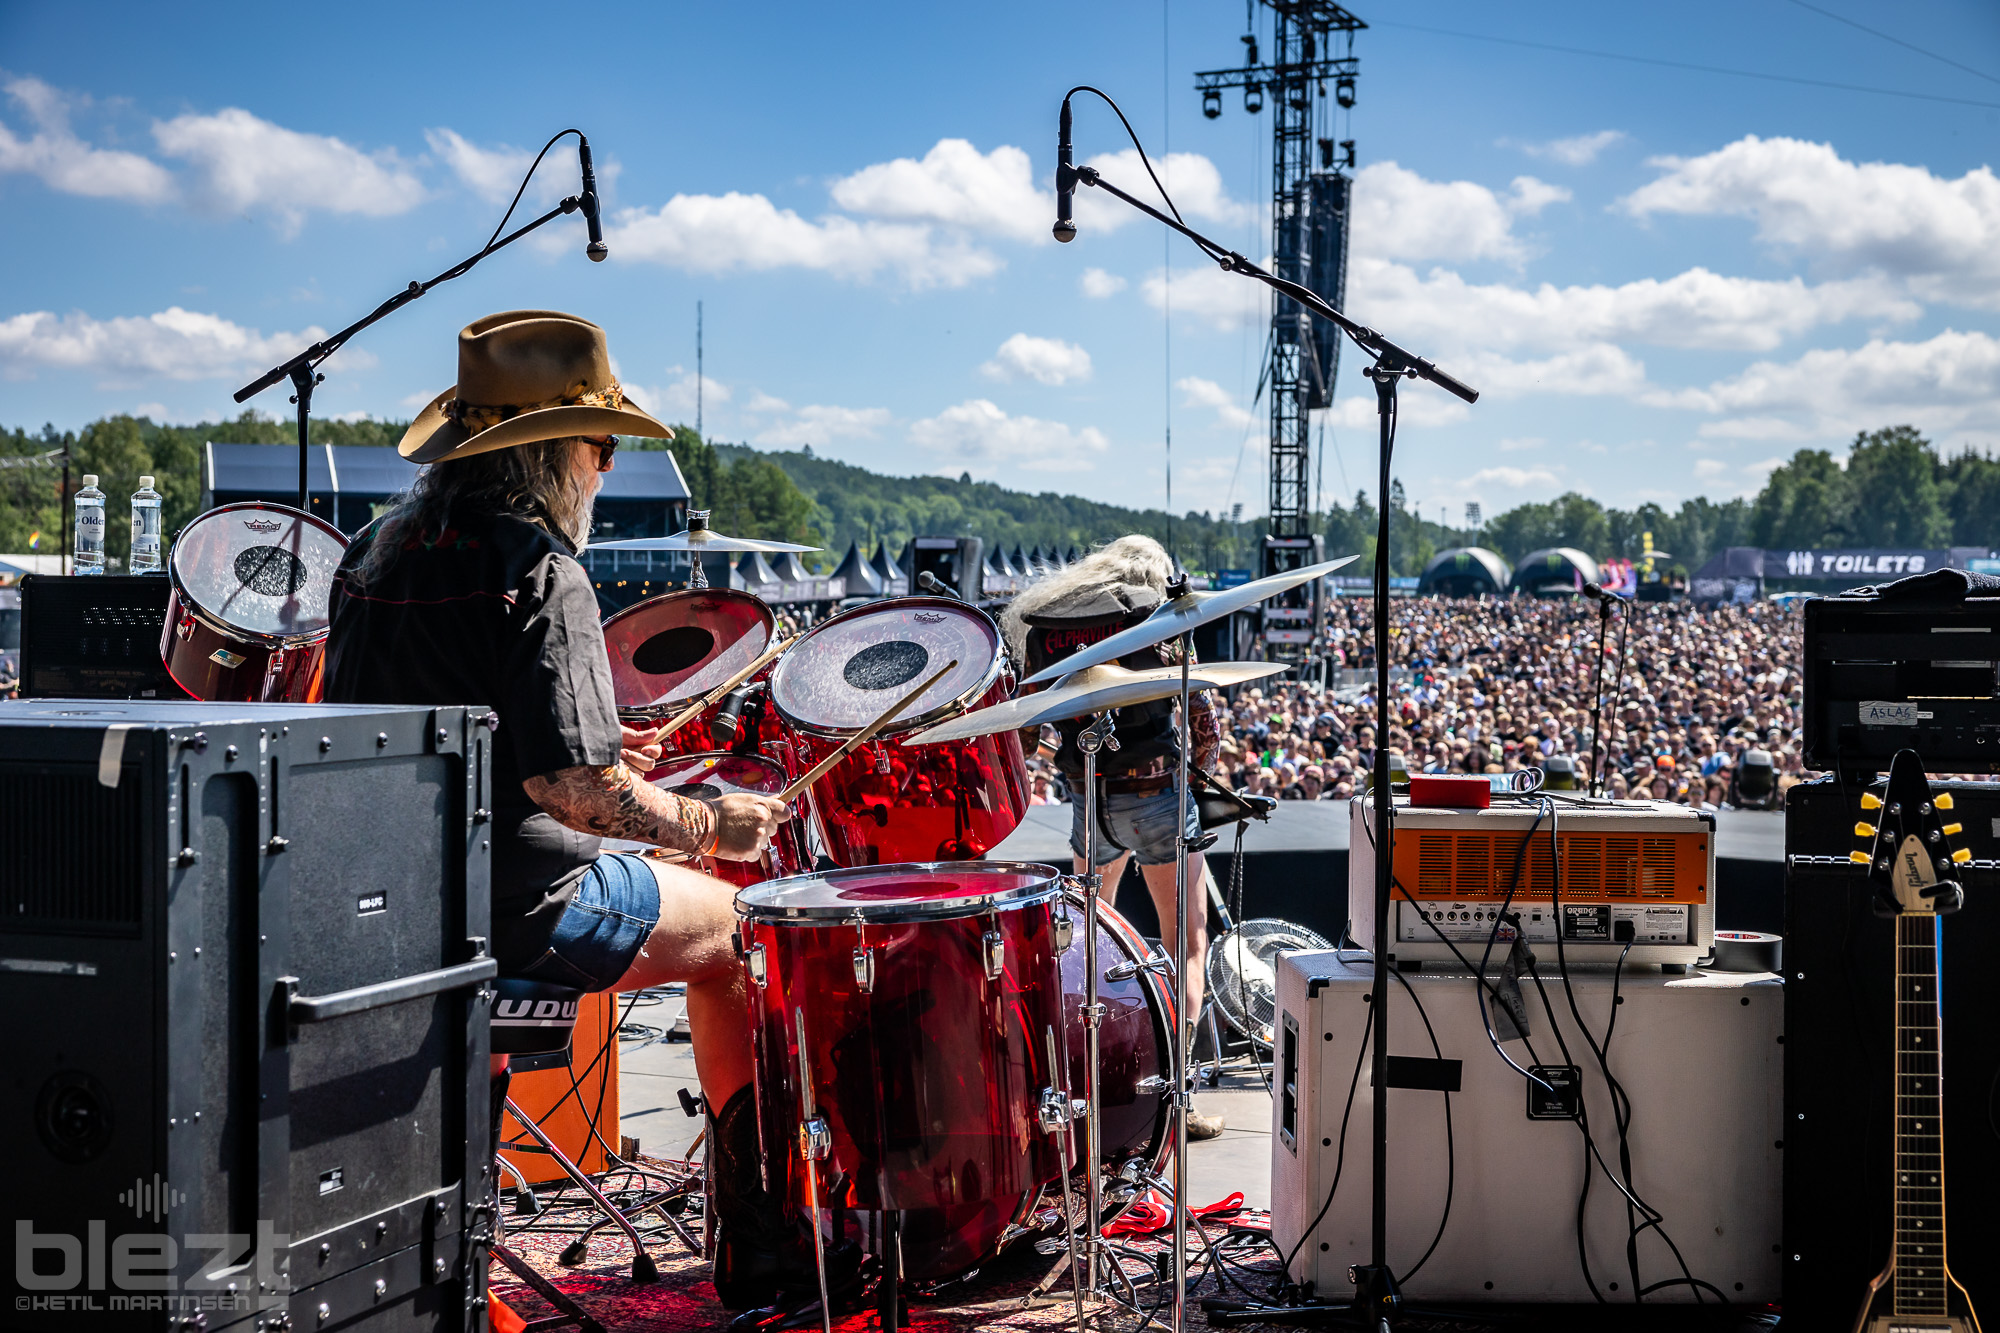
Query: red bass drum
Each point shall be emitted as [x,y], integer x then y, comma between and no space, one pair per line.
[888,802]
[247,614]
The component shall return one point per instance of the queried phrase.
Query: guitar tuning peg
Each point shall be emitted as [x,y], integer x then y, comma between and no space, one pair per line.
[1864,830]
[1860,858]
[1870,801]
[1961,856]
[1953,830]
[1942,801]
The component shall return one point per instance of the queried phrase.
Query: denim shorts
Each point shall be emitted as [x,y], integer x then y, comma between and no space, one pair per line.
[1139,822]
[614,909]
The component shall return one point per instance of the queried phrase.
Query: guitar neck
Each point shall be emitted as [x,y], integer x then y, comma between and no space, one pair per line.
[1920,1287]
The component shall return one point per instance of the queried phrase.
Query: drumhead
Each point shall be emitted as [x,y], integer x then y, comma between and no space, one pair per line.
[675,648]
[716,773]
[843,675]
[932,891]
[258,570]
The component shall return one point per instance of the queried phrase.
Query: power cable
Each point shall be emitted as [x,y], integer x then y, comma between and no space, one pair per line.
[1907,46]
[1683,64]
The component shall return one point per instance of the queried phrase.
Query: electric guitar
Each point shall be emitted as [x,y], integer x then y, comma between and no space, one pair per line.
[1905,848]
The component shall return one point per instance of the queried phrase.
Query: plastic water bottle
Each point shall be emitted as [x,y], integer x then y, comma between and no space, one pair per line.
[145,528]
[90,527]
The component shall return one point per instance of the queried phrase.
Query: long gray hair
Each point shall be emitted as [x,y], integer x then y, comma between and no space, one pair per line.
[533,481]
[1135,562]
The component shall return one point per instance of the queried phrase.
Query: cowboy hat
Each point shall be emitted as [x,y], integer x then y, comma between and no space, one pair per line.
[525,375]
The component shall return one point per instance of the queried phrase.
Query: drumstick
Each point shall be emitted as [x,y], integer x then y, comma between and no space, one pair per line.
[863,736]
[707,701]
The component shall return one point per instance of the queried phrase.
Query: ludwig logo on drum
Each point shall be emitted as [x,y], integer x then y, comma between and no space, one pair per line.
[261,524]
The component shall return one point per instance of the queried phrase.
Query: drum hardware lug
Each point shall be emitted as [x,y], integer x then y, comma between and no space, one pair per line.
[815,1139]
[864,970]
[1054,1111]
[881,758]
[277,844]
[995,946]
[1093,1014]
[1063,932]
[1157,963]
[1079,1108]
[1154,1083]
[753,958]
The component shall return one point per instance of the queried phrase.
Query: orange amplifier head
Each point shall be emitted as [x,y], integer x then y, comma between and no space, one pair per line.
[1637,872]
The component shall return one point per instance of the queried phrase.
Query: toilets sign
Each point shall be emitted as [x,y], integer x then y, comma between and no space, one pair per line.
[1869,563]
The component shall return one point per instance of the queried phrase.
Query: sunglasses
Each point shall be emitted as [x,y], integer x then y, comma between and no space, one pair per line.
[607,445]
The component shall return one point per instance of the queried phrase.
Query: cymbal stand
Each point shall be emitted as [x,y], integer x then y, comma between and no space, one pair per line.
[1181,1092]
[1098,735]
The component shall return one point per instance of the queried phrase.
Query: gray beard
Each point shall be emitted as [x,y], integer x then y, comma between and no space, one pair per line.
[579,535]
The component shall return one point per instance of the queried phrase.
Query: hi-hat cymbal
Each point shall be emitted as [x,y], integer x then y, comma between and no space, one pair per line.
[1177,615]
[1093,690]
[700,537]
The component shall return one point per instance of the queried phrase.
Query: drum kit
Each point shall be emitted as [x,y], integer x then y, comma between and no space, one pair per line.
[928,1027]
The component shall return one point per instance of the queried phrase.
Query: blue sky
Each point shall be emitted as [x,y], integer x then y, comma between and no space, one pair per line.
[1666,281]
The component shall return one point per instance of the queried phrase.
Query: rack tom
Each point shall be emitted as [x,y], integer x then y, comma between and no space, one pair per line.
[247,612]
[668,651]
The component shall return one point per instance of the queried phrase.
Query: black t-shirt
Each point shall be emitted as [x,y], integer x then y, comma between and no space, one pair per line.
[496,612]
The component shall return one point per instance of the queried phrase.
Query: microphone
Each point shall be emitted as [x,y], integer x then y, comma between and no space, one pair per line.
[1065,230]
[597,249]
[728,717]
[1596,593]
[935,586]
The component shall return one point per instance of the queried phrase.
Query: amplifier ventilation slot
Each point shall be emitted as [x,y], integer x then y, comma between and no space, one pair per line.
[73,845]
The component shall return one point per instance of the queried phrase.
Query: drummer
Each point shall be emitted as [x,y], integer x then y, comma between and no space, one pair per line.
[469,591]
[1114,588]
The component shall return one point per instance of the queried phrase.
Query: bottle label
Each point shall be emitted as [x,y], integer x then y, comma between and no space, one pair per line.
[90,525]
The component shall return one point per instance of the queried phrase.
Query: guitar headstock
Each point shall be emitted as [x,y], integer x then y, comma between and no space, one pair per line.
[1908,842]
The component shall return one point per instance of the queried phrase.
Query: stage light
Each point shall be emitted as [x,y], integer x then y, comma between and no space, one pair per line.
[1343,90]
[1300,96]
[1211,103]
[1250,42]
[1326,155]
[1253,98]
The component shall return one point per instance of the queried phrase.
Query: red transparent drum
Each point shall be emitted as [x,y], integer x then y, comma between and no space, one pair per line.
[247,613]
[927,994]
[888,802]
[717,773]
[1131,1043]
[668,651]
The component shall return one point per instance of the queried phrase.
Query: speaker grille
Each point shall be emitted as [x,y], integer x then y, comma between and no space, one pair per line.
[73,850]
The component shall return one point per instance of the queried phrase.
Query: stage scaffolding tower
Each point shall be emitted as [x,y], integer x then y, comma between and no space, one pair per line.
[1312,50]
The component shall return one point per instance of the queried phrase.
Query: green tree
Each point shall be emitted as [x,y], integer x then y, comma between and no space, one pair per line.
[1971,493]
[1804,503]
[1892,474]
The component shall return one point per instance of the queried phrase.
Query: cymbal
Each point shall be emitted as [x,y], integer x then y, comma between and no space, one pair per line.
[1177,615]
[1093,690]
[700,537]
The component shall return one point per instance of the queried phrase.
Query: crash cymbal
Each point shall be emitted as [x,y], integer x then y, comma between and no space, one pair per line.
[700,537]
[1177,615]
[1093,690]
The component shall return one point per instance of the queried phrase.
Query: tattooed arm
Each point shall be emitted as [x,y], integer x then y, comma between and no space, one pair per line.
[613,803]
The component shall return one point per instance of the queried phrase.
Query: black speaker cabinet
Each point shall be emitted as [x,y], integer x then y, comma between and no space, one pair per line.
[242,950]
[94,636]
[1839,1060]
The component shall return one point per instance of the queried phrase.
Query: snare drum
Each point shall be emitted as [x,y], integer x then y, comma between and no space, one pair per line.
[247,612]
[716,773]
[888,802]
[926,996]
[670,650]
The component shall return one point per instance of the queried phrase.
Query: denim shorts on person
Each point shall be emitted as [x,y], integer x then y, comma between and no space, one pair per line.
[1139,822]
[616,905]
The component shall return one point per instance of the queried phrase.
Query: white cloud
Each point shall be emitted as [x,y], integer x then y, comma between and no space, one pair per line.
[1521,443]
[1696,308]
[491,173]
[1597,370]
[1848,216]
[1513,478]
[1226,301]
[706,233]
[955,185]
[64,162]
[1192,179]
[242,164]
[1097,284]
[1399,214]
[676,400]
[1198,392]
[173,344]
[1708,469]
[1577,151]
[1044,360]
[1949,383]
[818,423]
[977,435]
[1417,404]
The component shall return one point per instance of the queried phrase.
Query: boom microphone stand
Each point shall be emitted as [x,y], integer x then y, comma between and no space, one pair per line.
[303,369]
[1376,1299]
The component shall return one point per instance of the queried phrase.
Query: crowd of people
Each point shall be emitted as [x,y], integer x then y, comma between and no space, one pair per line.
[1704,710]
